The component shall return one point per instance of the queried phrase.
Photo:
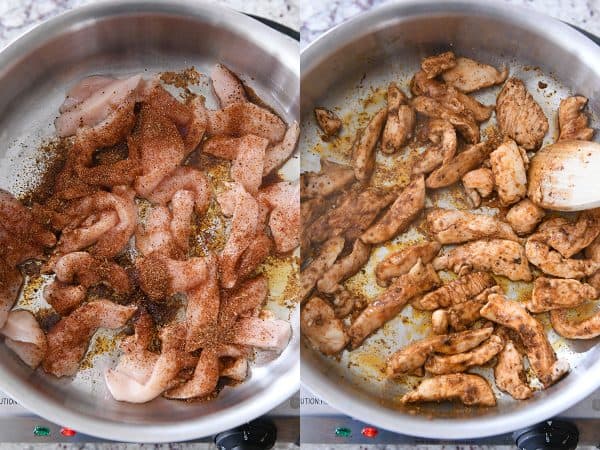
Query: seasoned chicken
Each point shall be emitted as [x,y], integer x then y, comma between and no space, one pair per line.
[227,85]
[462,315]
[525,216]
[454,227]
[400,123]
[439,321]
[266,334]
[202,309]
[555,293]
[499,256]
[509,373]
[456,291]
[569,237]
[283,199]
[572,121]
[462,163]
[478,184]
[464,123]
[400,262]
[571,328]
[510,175]
[399,216]
[322,328]
[519,116]
[23,335]
[413,356]
[277,154]
[386,306]
[247,167]
[442,149]
[204,379]
[472,390]
[345,302]
[344,267]
[332,178]
[328,121]
[552,263]
[439,365]
[592,251]
[318,266]
[468,75]
[541,356]
[311,209]
[363,150]
[437,64]
[184,179]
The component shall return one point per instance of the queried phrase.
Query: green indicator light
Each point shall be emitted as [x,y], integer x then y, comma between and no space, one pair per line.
[41,431]
[343,432]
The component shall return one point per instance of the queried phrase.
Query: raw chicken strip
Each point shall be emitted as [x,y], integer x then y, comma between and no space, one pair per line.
[284,221]
[277,154]
[270,334]
[23,335]
[227,86]
[247,167]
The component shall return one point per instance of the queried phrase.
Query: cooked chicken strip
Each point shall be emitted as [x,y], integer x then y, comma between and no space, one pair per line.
[320,326]
[501,257]
[311,209]
[363,150]
[456,291]
[454,227]
[332,178]
[328,121]
[462,163]
[440,365]
[575,329]
[318,266]
[509,373]
[345,267]
[345,302]
[400,123]
[472,390]
[23,335]
[541,356]
[276,155]
[464,123]
[525,216]
[510,175]
[568,237]
[437,64]
[468,75]
[439,321]
[227,86]
[555,293]
[572,121]
[400,262]
[442,148]
[386,306]
[592,251]
[403,211]
[552,263]
[519,116]
[462,315]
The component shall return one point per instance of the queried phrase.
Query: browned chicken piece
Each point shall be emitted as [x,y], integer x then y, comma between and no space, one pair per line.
[345,302]
[437,64]
[403,211]
[456,291]
[572,121]
[556,293]
[569,237]
[311,209]
[519,116]
[345,267]
[478,184]
[400,123]
[355,212]
[440,365]
[499,256]
[509,168]
[400,262]
[509,373]
[440,321]
[386,306]
[468,75]
[413,356]
[462,315]
[318,266]
[541,356]
[525,216]
[322,328]
[328,121]
[471,390]
[592,251]
[552,263]
[464,162]
[420,84]
[363,150]
[464,123]
[332,178]
[572,328]
[454,227]
[442,149]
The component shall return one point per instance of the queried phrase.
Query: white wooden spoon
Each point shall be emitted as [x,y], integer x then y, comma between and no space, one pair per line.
[566,176]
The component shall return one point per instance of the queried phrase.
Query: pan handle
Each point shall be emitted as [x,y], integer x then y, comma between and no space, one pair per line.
[260,434]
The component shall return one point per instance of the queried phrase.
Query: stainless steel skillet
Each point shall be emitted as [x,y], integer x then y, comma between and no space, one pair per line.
[349,68]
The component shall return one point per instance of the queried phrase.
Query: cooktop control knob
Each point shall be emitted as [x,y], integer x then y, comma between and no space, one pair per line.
[549,435]
[259,434]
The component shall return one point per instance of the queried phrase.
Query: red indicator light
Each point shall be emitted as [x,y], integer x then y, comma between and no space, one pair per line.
[370,432]
[68,432]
